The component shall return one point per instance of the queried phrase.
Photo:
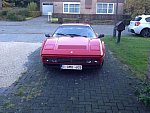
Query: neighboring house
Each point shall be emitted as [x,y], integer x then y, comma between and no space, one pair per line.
[0,4]
[81,7]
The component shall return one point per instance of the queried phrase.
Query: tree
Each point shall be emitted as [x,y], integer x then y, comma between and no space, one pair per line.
[5,3]
[22,3]
[137,7]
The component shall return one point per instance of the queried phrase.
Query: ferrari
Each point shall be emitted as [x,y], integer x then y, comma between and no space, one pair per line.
[73,46]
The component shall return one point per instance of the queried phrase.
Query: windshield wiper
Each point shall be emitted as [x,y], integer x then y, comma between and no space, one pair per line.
[72,35]
[61,34]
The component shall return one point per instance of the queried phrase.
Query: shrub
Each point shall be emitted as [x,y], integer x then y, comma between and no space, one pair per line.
[20,18]
[24,12]
[12,15]
[35,13]
[143,93]
[54,20]
[32,6]
[1,14]
[60,20]
[4,12]
[18,14]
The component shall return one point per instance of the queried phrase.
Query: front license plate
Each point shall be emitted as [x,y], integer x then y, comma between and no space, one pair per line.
[74,67]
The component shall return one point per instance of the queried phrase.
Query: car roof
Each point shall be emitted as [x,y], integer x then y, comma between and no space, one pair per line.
[76,24]
[145,16]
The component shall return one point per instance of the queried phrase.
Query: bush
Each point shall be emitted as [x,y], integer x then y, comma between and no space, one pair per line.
[24,12]
[20,18]
[143,93]
[69,20]
[18,14]
[35,13]
[32,6]
[60,20]
[4,12]
[12,15]
[1,14]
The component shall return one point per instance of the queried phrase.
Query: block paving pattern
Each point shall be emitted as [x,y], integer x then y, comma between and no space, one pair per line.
[46,90]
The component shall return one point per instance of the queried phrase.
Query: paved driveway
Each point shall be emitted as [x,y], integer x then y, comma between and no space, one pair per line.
[41,90]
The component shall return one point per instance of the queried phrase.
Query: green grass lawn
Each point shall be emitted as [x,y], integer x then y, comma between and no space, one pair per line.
[133,51]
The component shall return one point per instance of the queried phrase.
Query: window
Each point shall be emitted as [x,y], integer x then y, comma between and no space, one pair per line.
[137,18]
[105,8]
[147,19]
[71,7]
[74,30]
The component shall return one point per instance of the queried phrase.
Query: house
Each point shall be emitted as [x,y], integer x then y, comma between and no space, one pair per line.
[0,4]
[84,8]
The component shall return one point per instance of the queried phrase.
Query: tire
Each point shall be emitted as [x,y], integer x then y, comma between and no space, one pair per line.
[100,66]
[145,32]
[45,65]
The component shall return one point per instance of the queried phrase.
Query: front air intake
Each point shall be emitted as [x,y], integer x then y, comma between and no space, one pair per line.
[71,47]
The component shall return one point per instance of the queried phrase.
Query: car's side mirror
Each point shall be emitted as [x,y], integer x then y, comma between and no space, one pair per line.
[48,35]
[101,35]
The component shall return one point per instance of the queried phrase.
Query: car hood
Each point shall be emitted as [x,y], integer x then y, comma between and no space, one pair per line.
[72,46]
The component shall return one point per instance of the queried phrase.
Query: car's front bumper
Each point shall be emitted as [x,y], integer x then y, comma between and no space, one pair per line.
[72,60]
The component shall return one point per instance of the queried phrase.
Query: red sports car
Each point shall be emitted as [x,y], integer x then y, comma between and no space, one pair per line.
[73,46]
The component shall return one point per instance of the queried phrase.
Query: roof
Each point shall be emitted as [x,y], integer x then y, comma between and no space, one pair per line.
[143,16]
[81,24]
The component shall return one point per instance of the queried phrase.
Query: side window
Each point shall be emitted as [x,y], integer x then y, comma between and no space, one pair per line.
[147,19]
[137,19]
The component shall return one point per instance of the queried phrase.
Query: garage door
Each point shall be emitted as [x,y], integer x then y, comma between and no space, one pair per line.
[47,7]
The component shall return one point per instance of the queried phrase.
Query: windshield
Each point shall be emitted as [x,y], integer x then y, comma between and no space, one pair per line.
[74,31]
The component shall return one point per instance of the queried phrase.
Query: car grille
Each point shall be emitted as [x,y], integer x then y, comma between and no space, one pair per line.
[71,60]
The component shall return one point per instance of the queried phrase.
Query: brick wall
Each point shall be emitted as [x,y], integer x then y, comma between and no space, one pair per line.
[87,6]
[92,16]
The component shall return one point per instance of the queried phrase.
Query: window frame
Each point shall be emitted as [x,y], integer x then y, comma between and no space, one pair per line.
[71,3]
[107,7]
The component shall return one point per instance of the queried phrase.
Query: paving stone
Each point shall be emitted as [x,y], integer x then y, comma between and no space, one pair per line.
[109,111]
[88,91]
[120,106]
[99,111]
[88,108]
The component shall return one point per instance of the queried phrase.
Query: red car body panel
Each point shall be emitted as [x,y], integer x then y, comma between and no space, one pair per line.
[78,48]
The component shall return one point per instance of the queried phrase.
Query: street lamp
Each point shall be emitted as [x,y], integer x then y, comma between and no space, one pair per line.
[115,20]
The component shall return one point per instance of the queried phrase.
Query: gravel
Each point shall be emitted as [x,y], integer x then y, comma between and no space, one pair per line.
[12,59]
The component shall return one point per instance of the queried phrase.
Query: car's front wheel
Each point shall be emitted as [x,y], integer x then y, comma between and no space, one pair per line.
[145,32]
[100,66]
[45,65]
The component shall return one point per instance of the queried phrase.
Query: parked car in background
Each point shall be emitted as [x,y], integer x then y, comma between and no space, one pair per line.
[140,25]
[73,46]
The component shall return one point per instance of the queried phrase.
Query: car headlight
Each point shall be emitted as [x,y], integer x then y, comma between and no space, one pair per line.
[51,60]
[95,48]
[49,47]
